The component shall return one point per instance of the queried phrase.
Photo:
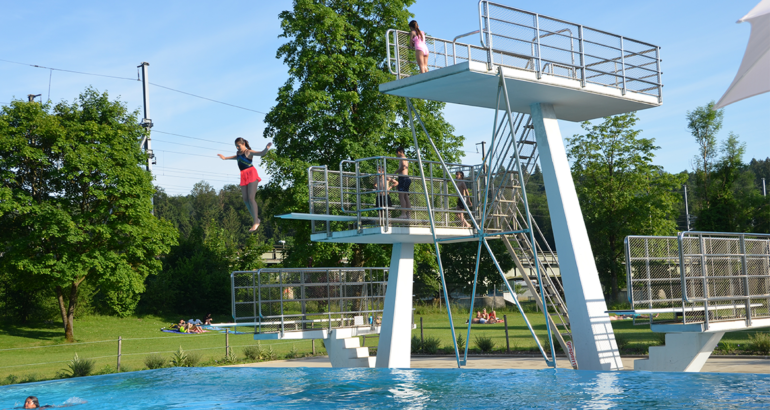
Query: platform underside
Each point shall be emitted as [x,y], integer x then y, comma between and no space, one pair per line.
[395,234]
[472,84]
[315,333]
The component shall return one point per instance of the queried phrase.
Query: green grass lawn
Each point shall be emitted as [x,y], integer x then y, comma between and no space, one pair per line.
[637,338]
[38,351]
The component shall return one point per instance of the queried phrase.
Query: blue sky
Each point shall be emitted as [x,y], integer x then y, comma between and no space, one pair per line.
[226,51]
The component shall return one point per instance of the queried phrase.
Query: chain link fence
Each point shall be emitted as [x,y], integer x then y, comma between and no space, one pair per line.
[700,277]
[285,300]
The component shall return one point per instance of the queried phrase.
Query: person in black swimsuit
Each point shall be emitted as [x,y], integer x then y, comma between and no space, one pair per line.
[403,184]
[249,177]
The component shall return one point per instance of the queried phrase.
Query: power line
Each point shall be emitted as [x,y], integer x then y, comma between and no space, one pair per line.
[174,169]
[185,145]
[209,99]
[69,71]
[193,138]
[185,153]
[132,79]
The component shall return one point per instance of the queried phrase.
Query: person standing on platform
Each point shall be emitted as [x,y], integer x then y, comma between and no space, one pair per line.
[463,191]
[249,177]
[420,47]
[403,184]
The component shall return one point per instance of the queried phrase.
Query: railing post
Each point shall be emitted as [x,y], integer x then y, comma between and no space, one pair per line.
[398,55]
[422,338]
[539,58]
[660,86]
[623,64]
[583,59]
[120,350]
[326,185]
[507,342]
[280,290]
[227,341]
[359,228]
[744,273]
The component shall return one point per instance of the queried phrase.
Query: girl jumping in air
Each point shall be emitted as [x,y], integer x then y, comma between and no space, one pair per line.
[249,177]
[418,43]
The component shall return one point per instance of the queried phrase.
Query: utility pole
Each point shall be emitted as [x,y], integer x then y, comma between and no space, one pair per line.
[147,123]
[483,152]
[686,208]
[764,188]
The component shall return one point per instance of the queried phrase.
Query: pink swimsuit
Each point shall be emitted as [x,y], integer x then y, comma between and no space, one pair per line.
[419,43]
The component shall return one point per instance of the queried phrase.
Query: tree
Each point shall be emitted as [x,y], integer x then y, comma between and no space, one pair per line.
[76,202]
[704,123]
[330,109]
[459,261]
[734,203]
[621,192]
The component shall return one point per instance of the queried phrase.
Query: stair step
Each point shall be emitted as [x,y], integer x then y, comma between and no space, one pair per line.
[359,352]
[351,343]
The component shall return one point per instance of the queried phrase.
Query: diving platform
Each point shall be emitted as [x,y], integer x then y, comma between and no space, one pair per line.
[473,83]
[695,287]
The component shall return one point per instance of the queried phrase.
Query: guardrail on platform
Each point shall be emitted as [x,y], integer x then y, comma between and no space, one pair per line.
[684,276]
[281,300]
[355,191]
[519,39]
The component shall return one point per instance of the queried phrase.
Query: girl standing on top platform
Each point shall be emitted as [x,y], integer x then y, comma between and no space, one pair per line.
[249,177]
[418,43]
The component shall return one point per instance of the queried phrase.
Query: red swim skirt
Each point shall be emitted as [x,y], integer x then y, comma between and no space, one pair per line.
[249,175]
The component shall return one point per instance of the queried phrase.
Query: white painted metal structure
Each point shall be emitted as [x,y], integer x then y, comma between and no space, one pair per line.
[694,287]
[551,69]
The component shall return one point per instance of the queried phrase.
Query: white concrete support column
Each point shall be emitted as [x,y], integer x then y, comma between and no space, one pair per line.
[683,352]
[592,335]
[394,349]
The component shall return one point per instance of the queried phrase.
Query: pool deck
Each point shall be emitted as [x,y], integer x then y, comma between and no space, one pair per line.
[718,364]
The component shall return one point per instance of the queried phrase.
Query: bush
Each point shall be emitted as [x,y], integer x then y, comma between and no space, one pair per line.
[416,344]
[460,342]
[154,361]
[293,353]
[11,379]
[431,345]
[253,353]
[484,343]
[726,348]
[179,358]
[760,343]
[79,367]
[33,377]
[192,359]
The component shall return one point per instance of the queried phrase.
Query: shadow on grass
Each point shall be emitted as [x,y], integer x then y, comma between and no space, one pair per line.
[47,331]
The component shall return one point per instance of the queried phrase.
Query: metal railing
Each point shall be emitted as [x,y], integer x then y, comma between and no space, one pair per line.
[682,277]
[362,188]
[283,300]
[516,38]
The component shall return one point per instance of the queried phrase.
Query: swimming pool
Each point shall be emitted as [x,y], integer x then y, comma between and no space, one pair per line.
[211,387]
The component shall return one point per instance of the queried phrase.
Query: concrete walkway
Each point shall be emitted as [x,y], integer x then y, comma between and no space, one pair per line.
[718,364]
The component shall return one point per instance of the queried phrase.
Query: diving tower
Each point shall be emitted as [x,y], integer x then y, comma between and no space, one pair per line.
[536,70]
[695,287]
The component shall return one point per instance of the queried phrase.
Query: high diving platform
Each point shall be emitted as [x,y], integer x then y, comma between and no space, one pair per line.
[531,70]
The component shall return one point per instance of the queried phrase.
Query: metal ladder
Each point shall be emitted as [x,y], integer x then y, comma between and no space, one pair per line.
[520,248]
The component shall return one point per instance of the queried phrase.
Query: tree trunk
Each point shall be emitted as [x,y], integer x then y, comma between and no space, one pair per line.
[68,311]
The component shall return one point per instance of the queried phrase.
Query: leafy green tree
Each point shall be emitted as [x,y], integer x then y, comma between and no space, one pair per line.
[734,203]
[704,123]
[76,202]
[621,192]
[459,261]
[330,109]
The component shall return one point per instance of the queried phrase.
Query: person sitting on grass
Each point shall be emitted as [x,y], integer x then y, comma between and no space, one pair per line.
[493,318]
[207,320]
[179,326]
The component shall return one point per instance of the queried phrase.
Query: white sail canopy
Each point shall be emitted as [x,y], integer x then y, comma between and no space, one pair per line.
[753,76]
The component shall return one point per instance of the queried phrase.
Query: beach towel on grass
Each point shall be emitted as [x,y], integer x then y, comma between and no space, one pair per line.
[176,331]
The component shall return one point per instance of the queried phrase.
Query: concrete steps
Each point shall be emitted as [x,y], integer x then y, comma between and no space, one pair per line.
[345,350]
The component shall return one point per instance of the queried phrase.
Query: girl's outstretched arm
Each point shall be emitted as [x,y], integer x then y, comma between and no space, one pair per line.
[262,153]
[224,157]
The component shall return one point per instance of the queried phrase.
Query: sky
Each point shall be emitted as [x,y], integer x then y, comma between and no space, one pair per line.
[227,52]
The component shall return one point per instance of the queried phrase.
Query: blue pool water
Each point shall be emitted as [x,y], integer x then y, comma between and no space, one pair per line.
[235,388]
